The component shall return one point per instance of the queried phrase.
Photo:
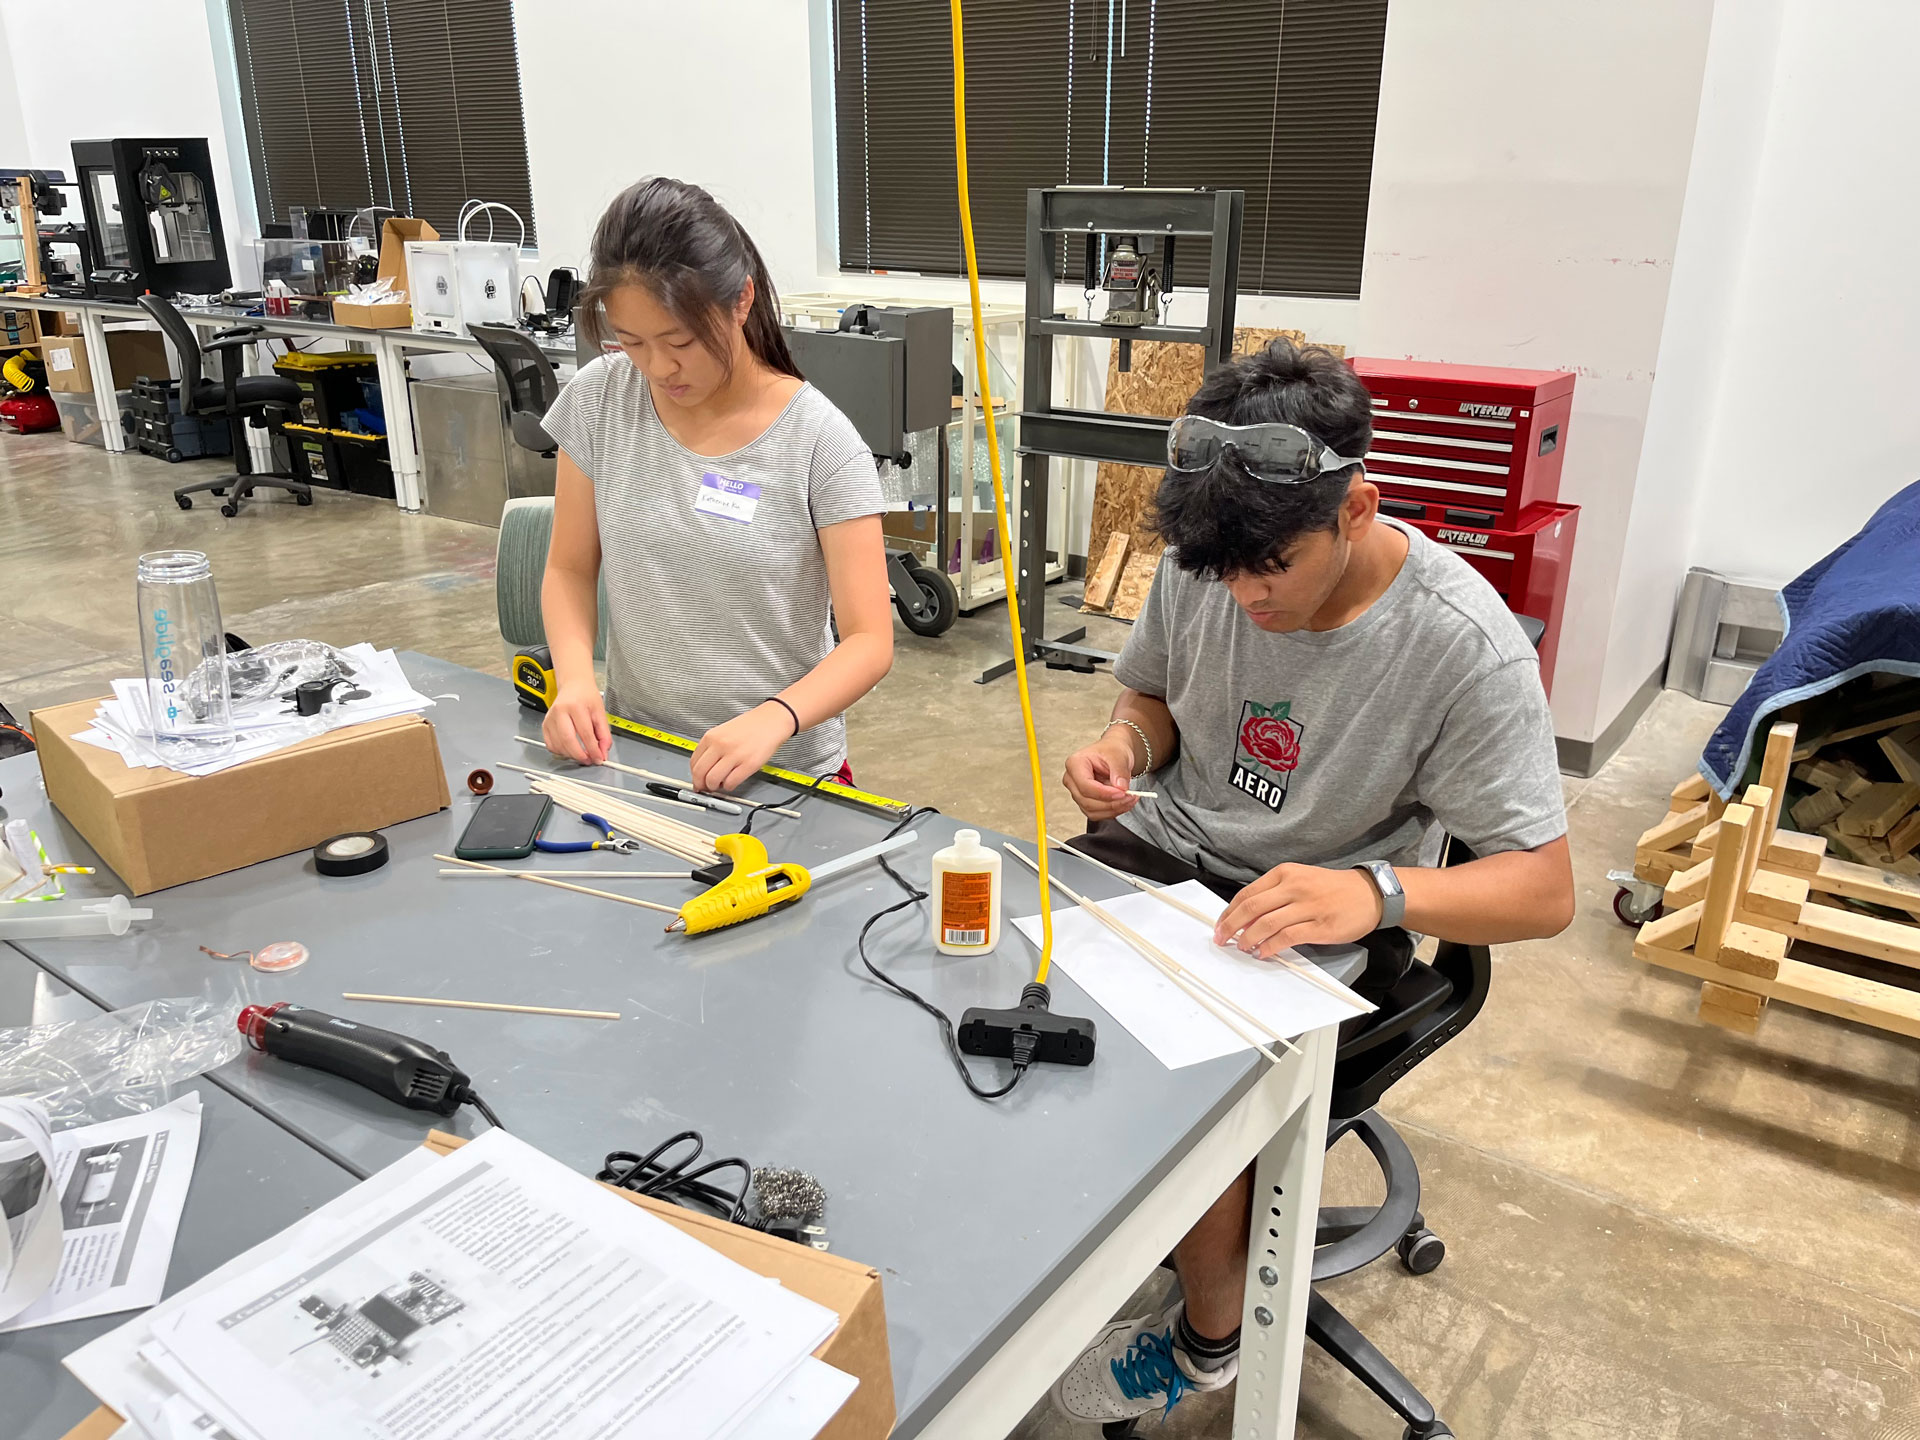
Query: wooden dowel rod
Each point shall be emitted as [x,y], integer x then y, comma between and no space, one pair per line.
[1212,999]
[573,874]
[621,791]
[482,1005]
[613,764]
[1304,968]
[562,885]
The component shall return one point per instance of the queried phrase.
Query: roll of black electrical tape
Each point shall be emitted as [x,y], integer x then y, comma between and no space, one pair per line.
[355,854]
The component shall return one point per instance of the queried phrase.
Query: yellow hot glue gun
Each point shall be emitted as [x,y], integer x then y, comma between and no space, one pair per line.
[757,886]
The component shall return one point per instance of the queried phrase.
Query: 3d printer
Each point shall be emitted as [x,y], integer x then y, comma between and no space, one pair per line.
[153,217]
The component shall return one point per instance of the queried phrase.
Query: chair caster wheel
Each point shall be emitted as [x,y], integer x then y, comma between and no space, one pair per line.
[1421,1251]
[1118,1429]
[1436,1431]
[183,501]
[220,490]
[303,499]
[229,510]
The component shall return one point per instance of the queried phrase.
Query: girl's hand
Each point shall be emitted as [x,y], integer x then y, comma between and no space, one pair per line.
[730,754]
[576,726]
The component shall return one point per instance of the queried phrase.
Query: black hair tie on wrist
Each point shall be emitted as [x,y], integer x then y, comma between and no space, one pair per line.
[776,700]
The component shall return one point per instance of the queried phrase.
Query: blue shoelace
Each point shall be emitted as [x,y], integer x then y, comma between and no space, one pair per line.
[1148,1369]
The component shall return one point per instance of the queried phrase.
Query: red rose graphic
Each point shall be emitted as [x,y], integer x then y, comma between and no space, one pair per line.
[1276,743]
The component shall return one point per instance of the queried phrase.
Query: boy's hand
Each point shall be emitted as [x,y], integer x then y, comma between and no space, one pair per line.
[732,753]
[1299,905]
[1098,776]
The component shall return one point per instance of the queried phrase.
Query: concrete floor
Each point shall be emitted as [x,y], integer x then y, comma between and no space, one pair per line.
[1654,1228]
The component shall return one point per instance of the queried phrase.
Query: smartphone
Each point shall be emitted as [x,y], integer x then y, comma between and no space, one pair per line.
[504,827]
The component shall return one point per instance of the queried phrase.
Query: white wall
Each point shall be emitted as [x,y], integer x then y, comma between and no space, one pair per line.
[1528,174]
[615,90]
[1715,227]
[1814,421]
[96,69]
[13,127]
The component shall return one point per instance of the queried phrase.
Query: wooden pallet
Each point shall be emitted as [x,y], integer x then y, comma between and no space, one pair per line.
[1746,890]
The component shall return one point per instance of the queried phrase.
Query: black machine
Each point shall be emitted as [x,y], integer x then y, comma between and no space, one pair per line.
[153,216]
[890,370]
[66,253]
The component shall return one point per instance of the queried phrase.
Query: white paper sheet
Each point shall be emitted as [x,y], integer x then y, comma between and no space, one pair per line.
[1157,1012]
[521,1288]
[29,1206]
[122,1184]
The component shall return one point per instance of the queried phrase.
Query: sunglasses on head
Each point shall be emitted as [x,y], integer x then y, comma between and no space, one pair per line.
[1282,454]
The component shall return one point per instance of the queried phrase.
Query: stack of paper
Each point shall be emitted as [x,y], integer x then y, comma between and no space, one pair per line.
[125,723]
[489,1292]
[1178,1029]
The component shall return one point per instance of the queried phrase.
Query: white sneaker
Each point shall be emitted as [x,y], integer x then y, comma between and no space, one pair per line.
[1133,1368]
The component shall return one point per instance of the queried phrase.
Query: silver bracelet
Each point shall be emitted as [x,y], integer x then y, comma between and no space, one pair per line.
[1145,744]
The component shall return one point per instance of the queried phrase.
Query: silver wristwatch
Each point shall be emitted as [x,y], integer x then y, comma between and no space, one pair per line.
[1393,899]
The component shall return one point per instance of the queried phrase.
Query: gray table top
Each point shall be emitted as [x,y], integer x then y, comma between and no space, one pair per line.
[251,1180]
[768,1038]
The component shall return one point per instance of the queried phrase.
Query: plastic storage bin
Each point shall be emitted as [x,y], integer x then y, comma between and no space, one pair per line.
[159,427]
[80,416]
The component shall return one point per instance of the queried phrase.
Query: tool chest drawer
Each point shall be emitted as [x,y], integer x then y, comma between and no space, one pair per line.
[1466,437]
[1528,565]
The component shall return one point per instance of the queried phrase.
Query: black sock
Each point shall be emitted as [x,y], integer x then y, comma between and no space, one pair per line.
[1205,1353]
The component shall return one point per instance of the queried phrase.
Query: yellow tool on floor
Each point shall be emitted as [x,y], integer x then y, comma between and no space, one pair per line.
[757,886]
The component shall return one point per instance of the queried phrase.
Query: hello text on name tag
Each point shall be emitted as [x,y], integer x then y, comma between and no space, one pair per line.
[729,499]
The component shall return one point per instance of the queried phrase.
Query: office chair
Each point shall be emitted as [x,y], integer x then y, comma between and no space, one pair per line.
[528,386]
[240,398]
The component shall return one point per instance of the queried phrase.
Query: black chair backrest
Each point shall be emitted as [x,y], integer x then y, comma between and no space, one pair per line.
[527,381]
[185,343]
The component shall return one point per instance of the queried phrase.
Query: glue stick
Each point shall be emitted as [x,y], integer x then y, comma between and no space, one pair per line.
[966,896]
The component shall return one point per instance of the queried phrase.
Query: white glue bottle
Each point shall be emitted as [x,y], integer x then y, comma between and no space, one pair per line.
[966,896]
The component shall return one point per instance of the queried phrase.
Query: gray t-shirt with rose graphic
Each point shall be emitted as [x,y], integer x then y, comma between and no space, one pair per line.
[1336,746]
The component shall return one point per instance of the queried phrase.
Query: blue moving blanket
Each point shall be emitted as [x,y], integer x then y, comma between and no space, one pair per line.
[1855,612]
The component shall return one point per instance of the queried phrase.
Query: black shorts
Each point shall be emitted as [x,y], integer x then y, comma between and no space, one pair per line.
[1389,951]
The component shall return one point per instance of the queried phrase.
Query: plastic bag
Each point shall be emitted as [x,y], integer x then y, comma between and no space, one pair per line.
[124,1063]
[267,671]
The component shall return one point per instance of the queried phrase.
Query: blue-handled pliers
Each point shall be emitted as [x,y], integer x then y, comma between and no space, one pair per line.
[616,843]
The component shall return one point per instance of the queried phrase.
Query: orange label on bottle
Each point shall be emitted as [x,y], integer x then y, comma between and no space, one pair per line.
[966,907]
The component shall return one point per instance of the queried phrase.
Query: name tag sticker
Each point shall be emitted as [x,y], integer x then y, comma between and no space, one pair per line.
[729,499]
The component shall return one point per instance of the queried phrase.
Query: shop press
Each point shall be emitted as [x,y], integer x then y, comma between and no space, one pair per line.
[1125,239]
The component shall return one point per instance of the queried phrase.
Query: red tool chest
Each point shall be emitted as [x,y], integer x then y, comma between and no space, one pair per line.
[1468,444]
[1527,565]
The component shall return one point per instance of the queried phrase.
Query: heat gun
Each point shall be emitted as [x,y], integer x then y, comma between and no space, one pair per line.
[407,1071]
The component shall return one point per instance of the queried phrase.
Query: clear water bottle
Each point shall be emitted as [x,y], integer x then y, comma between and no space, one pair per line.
[183,647]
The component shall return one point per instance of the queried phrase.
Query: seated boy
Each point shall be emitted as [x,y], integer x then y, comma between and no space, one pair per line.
[1321,692]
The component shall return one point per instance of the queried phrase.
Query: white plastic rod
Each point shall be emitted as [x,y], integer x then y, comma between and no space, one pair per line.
[847,862]
[50,919]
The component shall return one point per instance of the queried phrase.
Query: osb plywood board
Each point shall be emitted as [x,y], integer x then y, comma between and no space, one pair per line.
[1161,381]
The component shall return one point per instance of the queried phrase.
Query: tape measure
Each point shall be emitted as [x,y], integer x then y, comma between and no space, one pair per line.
[535,687]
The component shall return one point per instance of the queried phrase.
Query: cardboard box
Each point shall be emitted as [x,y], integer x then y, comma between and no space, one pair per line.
[394,314]
[858,1347]
[134,353]
[157,828]
[59,322]
[18,325]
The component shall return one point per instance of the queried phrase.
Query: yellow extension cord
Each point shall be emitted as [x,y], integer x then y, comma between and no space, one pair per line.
[1007,557]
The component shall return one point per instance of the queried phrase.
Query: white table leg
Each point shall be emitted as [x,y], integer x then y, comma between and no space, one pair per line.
[402,454]
[1286,1209]
[94,332]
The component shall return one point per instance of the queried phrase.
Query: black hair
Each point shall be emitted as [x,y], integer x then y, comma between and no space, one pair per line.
[1226,522]
[695,259]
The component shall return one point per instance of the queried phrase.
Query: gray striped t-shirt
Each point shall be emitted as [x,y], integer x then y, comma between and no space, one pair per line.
[716,585]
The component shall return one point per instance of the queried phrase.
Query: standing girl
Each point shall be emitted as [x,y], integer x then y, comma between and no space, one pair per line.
[729,507]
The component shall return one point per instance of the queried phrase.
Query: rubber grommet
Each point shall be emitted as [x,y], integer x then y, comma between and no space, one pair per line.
[353,854]
[480,782]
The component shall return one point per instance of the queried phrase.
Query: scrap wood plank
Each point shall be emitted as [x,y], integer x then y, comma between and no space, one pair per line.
[1737,1021]
[1904,837]
[1672,831]
[1830,992]
[1857,934]
[1674,930]
[1902,748]
[1753,951]
[1810,812]
[1879,808]
[1771,894]
[1724,878]
[1107,574]
[1867,882]
[1731,997]
[1135,581]
[1790,849]
[1690,791]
